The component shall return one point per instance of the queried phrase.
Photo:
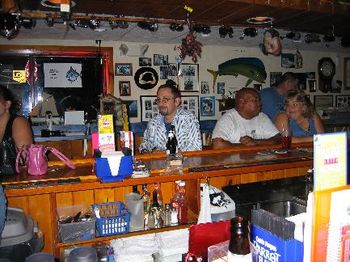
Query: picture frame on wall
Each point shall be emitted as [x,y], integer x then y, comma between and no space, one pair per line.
[160,59]
[274,77]
[123,69]
[188,82]
[312,85]
[124,88]
[323,102]
[190,103]
[145,61]
[342,101]
[346,83]
[287,60]
[132,107]
[207,105]
[149,108]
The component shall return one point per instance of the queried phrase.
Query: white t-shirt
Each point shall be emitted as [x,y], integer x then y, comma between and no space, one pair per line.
[231,127]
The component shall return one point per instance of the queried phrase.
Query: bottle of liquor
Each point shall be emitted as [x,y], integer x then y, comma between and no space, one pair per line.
[146,199]
[171,144]
[135,190]
[239,246]
[157,196]
[179,201]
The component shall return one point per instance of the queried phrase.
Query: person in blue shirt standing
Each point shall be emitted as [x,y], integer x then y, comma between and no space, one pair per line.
[272,98]
[299,117]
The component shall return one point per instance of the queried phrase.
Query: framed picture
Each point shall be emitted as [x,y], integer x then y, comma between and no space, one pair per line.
[220,88]
[145,61]
[207,105]
[302,80]
[312,85]
[323,102]
[163,72]
[172,70]
[124,88]
[149,108]
[274,77]
[205,87]
[190,103]
[123,69]
[160,59]
[342,101]
[188,81]
[132,107]
[347,73]
[288,60]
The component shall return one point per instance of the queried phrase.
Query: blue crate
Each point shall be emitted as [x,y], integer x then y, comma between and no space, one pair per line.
[114,219]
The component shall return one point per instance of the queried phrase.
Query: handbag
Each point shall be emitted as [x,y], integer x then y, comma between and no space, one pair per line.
[7,157]
[36,160]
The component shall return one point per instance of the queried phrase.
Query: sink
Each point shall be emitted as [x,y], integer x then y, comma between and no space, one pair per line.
[285,208]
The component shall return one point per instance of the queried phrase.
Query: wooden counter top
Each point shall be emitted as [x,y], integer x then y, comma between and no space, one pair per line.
[196,165]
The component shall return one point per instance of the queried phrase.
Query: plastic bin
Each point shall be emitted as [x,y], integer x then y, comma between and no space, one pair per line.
[20,237]
[113,219]
[75,231]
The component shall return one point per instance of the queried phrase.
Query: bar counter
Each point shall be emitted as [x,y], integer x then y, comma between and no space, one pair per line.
[40,196]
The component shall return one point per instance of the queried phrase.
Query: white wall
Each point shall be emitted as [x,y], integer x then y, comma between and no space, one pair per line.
[212,56]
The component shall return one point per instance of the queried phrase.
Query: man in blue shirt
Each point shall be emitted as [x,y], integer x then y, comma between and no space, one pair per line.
[272,98]
[170,113]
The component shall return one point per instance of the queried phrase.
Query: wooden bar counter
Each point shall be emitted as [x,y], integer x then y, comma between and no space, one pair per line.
[40,196]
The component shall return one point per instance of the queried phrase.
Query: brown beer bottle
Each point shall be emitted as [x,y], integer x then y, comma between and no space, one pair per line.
[239,246]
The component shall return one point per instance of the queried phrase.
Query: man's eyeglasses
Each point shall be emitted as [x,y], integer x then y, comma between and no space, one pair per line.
[163,100]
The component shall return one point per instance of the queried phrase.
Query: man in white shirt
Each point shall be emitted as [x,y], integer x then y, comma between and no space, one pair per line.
[245,124]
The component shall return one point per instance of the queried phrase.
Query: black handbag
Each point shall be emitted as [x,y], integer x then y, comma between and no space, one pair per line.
[7,157]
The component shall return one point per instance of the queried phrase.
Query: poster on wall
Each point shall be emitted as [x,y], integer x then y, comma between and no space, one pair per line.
[62,75]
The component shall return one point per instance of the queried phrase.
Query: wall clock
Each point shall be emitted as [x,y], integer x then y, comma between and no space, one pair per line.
[326,72]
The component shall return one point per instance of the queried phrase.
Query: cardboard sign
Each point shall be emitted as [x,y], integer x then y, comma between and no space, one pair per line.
[330,160]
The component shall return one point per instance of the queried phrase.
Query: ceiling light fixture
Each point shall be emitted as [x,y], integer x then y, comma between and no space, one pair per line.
[153,27]
[204,30]
[260,20]
[176,27]
[49,21]
[27,23]
[225,30]
[249,31]
[55,3]
[9,26]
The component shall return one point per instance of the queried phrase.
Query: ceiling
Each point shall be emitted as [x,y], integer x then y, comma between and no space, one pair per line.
[304,16]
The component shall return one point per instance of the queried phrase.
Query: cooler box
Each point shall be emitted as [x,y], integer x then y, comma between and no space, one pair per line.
[20,237]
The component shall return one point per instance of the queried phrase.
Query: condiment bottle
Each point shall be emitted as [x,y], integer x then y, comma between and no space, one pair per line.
[239,245]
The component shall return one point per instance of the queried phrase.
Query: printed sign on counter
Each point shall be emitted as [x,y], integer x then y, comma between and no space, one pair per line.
[330,160]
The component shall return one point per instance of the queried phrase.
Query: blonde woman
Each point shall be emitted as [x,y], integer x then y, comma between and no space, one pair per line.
[299,117]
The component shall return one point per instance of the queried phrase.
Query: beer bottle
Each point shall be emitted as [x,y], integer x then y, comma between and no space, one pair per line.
[171,144]
[239,246]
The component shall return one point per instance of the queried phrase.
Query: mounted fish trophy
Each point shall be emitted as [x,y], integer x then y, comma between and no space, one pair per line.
[271,43]
[250,67]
